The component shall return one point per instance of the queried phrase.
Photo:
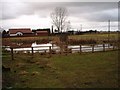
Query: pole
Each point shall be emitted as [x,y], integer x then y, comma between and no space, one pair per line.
[93,48]
[113,46]
[52,29]
[108,32]
[12,54]
[50,51]
[66,49]
[103,47]
[80,48]
[32,50]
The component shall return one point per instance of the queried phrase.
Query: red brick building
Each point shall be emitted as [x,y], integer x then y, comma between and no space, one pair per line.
[42,33]
[20,32]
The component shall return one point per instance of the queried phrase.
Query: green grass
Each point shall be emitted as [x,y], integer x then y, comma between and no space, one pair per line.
[86,70]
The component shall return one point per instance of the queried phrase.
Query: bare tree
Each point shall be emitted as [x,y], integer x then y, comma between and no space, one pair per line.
[68,26]
[59,16]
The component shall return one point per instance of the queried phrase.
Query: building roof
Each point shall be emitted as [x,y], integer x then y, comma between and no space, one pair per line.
[22,30]
[43,29]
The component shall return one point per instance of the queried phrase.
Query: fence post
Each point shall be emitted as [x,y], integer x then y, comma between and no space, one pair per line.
[93,48]
[103,47]
[61,49]
[50,50]
[32,51]
[108,45]
[45,51]
[113,46]
[66,49]
[12,57]
[80,48]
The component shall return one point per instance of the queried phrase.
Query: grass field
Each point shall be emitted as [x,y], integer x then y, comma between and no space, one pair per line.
[86,70]
[95,36]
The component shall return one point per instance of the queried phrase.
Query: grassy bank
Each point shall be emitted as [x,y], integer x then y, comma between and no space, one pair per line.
[96,70]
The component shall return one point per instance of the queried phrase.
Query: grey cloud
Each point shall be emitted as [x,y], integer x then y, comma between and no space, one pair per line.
[89,7]
[76,9]
[103,16]
[13,10]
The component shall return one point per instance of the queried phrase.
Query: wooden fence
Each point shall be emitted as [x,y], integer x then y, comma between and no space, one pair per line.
[67,50]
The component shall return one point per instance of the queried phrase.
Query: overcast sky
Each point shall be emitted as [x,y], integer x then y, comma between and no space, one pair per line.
[92,15]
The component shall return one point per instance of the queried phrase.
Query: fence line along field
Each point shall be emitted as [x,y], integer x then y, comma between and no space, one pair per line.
[67,49]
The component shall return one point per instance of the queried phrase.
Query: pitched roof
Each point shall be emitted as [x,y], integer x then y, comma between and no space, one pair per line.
[43,29]
[23,30]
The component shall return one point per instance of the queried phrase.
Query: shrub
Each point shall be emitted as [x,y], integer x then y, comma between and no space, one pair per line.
[81,41]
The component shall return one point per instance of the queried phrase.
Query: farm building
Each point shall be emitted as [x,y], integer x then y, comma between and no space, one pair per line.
[41,32]
[20,32]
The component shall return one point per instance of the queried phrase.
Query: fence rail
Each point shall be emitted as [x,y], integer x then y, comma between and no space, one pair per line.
[68,49]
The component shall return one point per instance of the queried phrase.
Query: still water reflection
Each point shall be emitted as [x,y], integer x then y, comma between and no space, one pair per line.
[45,47]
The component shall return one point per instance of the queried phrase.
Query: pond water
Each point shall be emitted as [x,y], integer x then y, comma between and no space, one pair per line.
[45,47]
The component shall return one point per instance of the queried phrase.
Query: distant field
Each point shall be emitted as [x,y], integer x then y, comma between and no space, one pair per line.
[84,36]
[86,70]
[95,36]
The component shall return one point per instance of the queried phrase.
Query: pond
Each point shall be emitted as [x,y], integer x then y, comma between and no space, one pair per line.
[46,47]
